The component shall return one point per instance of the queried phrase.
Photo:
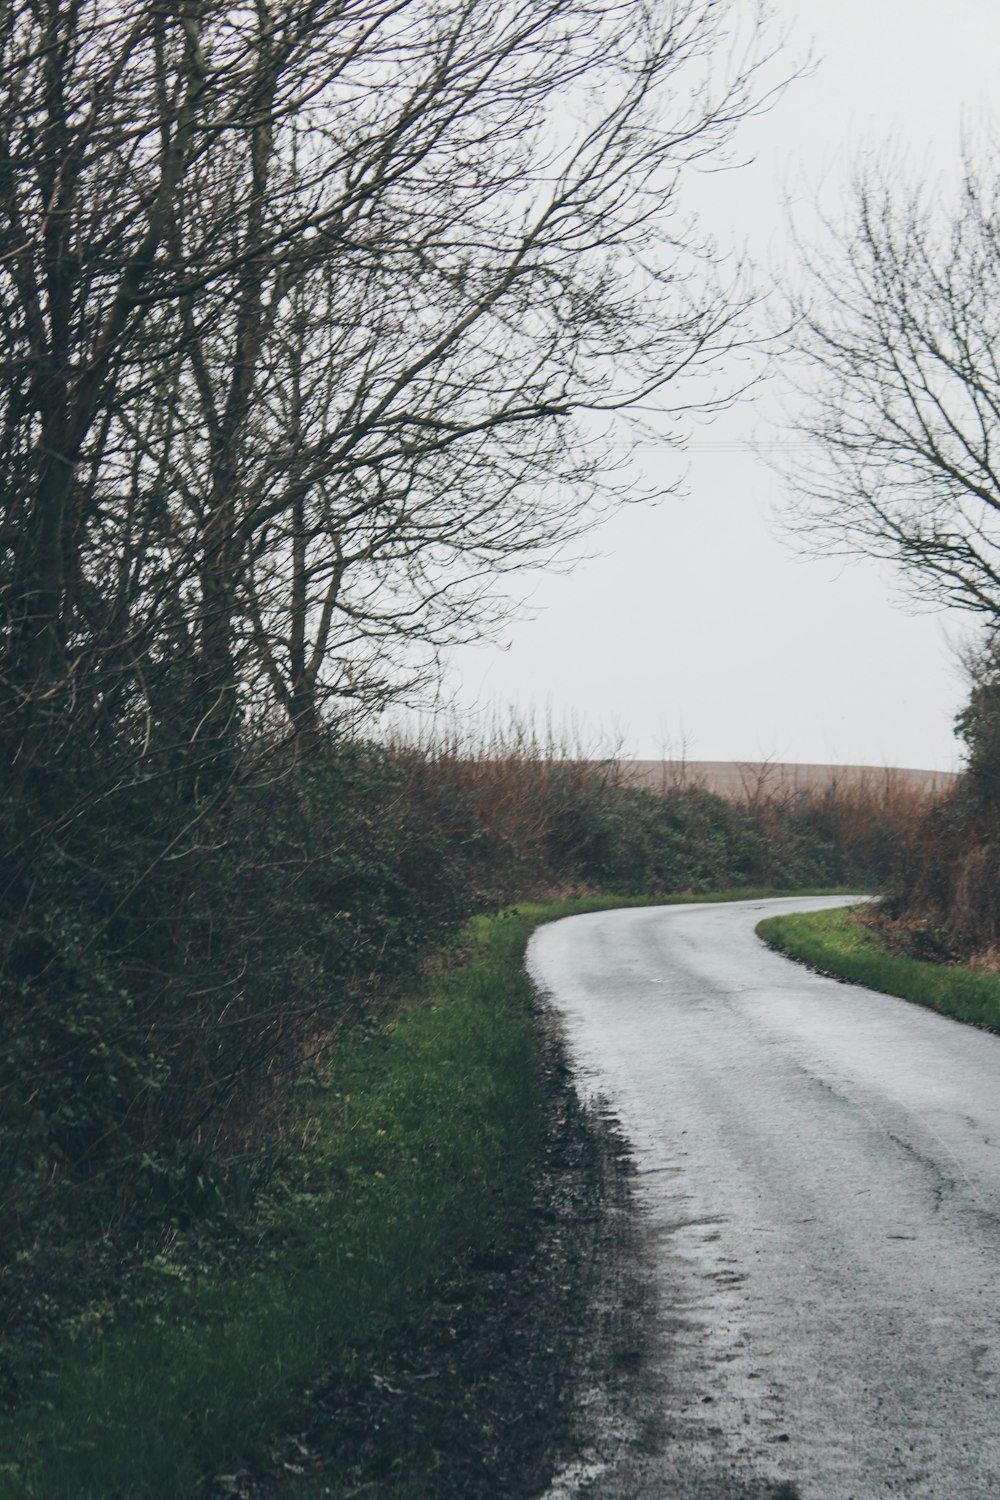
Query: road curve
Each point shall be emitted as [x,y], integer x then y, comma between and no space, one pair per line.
[818,1170]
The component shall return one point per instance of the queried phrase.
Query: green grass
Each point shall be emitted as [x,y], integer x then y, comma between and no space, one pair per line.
[417,1150]
[835,943]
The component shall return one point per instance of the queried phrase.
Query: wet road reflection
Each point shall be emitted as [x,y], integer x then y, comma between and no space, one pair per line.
[819,1176]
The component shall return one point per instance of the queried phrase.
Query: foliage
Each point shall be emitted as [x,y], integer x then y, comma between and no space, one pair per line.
[634,840]
[940,898]
[978,725]
[164,1011]
[627,838]
[153,1026]
[533,817]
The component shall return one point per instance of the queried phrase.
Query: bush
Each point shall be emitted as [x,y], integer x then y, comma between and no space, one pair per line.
[168,976]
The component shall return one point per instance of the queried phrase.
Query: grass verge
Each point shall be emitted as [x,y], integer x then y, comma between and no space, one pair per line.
[414,1153]
[836,943]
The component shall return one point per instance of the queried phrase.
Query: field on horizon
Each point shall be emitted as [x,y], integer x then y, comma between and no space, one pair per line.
[741,780]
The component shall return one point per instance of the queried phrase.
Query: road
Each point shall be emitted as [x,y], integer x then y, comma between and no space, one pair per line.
[818,1173]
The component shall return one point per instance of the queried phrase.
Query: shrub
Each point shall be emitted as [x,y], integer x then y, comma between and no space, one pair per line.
[169,971]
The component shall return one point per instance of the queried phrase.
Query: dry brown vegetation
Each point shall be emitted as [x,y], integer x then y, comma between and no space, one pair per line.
[539,816]
[942,897]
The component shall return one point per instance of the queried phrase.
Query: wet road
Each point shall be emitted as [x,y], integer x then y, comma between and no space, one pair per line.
[819,1174]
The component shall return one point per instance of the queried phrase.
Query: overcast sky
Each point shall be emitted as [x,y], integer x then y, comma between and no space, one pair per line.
[696,627]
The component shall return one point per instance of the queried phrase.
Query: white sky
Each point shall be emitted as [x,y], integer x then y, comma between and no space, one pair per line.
[696,627]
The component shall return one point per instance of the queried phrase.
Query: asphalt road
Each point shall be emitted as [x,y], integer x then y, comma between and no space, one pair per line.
[818,1172]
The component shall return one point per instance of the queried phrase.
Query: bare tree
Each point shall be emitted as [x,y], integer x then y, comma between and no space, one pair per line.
[899,331]
[300,306]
